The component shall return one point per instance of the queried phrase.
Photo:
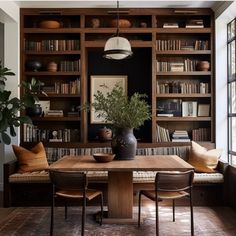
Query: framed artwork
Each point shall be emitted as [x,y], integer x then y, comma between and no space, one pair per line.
[105,84]
[45,106]
[189,109]
[203,109]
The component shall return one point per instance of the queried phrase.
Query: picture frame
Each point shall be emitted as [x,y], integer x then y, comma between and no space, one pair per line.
[45,106]
[203,110]
[189,109]
[105,84]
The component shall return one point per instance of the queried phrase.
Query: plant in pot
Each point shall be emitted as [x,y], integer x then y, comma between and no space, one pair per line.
[124,114]
[32,89]
[10,117]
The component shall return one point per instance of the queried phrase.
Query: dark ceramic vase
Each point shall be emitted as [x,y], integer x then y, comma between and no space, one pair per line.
[124,144]
[33,65]
[34,111]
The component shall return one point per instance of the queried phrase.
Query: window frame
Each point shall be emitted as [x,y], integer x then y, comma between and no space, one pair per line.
[231,78]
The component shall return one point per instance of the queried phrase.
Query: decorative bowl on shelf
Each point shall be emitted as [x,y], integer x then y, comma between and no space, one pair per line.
[104,134]
[203,65]
[103,157]
[52,66]
[123,23]
[33,65]
[49,24]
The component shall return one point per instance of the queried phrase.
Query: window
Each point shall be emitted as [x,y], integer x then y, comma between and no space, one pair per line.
[231,32]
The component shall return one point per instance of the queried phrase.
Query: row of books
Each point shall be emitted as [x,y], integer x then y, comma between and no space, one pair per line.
[163,134]
[52,45]
[32,133]
[166,87]
[201,134]
[72,87]
[181,66]
[66,66]
[178,44]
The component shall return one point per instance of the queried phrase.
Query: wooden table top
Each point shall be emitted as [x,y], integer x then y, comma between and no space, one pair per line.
[139,163]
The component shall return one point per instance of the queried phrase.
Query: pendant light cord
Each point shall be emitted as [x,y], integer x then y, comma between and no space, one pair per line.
[118,18]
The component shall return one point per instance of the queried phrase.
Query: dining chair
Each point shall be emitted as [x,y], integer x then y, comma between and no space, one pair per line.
[72,185]
[170,185]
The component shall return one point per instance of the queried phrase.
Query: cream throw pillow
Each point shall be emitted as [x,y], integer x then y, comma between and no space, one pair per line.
[202,159]
[31,160]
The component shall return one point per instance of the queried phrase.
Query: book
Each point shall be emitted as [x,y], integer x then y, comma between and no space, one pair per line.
[181,140]
[194,23]
[169,106]
[170,25]
[73,113]
[194,26]
[189,109]
[165,115]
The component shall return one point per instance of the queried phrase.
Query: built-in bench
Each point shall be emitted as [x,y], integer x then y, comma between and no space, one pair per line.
[34,188]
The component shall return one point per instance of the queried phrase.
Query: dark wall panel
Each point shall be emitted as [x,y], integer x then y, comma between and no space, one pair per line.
[138,70]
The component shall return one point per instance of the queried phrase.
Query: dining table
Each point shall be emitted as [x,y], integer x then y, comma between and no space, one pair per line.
[120,178]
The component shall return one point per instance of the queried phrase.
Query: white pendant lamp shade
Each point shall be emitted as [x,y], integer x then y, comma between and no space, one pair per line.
[117,48]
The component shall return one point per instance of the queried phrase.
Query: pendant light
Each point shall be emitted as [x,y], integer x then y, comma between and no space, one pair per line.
[117,47]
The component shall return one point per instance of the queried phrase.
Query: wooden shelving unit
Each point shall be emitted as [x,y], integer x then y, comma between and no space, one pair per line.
[146,28]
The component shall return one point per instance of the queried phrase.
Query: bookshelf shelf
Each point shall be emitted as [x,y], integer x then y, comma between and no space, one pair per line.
[58,73]
[75,52]
[183,52]
[198,73]
[51,31]
[183,31]
[179,95]
[183,119]
[56,118]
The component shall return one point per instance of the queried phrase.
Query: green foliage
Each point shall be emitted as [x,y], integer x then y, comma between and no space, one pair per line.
[121,111]
[32,89]
[9,109]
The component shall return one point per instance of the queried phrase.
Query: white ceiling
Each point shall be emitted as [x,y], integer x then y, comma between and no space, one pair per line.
[112,4]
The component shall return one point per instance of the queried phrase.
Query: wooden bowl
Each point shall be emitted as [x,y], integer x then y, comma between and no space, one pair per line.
[103,157]
[49,24]
[123,23]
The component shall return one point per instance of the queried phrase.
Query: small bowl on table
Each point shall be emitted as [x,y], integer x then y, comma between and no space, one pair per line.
[103,157]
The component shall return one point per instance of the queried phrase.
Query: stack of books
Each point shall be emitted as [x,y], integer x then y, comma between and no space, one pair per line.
[52,113]
[73,113]
[195,24]
[180,136]
[170,25]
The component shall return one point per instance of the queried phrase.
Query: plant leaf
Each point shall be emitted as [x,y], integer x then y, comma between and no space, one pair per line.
[6,138]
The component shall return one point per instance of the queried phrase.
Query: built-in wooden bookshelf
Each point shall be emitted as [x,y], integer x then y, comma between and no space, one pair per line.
[76,48]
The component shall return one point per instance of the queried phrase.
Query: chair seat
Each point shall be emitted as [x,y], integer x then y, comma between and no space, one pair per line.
[164,195]
[90,194]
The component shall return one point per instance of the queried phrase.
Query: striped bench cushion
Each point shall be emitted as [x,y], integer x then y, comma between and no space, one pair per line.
[101,176]
[30,177]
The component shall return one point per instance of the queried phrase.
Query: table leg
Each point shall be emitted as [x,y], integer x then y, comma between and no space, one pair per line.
[120,197]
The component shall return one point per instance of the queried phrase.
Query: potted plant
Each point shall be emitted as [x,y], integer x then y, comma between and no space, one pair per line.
[32,89]
[9,109]
[124,114]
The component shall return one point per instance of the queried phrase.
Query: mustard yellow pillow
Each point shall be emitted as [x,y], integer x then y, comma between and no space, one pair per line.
[31,160]
[203,160]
